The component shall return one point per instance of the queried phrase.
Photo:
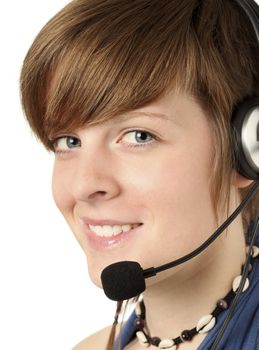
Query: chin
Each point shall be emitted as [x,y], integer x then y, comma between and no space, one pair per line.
[96,281]
[94,270]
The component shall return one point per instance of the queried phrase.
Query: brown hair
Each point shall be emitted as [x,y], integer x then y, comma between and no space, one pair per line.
[97,59]
[111,338]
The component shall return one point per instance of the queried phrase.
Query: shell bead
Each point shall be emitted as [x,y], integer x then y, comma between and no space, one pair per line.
[138,309]
[236,284]
[206,323]
[167,344]
[142,339]
[255,251]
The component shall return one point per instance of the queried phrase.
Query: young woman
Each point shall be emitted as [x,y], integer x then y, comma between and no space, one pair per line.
[135,98]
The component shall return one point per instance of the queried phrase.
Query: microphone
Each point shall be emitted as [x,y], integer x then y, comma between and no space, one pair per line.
[126,279]
[123,280]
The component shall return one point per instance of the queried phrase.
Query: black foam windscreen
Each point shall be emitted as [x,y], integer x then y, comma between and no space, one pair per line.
[123,280]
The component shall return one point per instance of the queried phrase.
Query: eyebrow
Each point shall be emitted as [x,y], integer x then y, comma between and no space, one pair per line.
[131,114]
[136,114]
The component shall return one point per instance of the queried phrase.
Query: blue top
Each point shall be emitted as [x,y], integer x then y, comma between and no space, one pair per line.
[242,332]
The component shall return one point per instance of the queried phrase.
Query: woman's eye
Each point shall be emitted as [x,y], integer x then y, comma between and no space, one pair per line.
[65,143]
[137,138]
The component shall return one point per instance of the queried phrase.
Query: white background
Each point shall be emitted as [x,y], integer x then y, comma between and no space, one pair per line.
[47,301]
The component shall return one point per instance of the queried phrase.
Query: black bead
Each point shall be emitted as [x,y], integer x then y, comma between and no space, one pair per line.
[250,268]
[185,335]
[222,304]
[155,341]
[139,323]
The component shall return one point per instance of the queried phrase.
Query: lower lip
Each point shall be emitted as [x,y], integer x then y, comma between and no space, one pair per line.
[102,243]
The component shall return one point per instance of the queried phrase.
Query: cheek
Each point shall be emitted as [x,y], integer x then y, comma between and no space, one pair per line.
[60,192]
[175,178]
[61,183]
[176,192]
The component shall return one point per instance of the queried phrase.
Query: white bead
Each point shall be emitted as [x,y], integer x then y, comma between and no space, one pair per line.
[167,344]
[205,324]
[142,339]
[255,251]
[138,309]
[236,283]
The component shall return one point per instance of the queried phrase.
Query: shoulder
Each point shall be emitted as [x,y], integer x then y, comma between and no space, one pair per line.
[95,341]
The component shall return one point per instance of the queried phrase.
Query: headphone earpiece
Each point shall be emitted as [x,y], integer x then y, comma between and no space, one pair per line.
[245,124]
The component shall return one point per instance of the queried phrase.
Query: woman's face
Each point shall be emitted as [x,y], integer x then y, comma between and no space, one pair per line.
[149,167]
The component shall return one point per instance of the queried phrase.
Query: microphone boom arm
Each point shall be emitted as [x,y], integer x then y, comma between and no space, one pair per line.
[152,271]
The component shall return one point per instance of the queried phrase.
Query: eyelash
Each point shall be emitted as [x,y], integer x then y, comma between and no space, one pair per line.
[129,145]
[144,144]
[55,142]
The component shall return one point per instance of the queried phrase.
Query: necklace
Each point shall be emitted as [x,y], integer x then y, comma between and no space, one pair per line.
[204,325]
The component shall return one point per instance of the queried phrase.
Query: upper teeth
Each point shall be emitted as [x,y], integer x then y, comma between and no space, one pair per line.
[108,231]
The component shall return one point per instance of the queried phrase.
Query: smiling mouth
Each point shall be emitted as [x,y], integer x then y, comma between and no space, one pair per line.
[112,231]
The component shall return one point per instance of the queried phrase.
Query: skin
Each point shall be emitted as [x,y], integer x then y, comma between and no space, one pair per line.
[166,186]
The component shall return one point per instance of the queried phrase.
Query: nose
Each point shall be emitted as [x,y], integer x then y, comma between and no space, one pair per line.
[95,178]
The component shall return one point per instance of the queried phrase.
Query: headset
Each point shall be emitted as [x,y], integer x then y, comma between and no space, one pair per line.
[245,119]
[126,279]
[245,133]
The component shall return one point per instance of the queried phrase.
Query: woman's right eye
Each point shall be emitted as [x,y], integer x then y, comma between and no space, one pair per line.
[64,144]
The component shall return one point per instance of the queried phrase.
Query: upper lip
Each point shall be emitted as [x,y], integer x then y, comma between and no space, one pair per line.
[106,222]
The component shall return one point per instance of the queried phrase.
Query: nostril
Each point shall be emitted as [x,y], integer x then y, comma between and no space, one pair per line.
[98,194]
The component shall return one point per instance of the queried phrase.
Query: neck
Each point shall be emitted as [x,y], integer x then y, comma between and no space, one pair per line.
[176,302]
